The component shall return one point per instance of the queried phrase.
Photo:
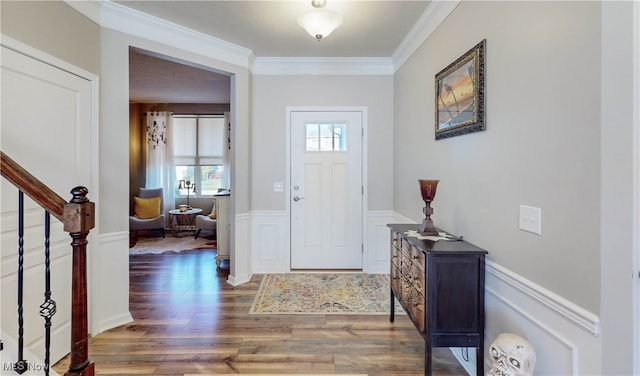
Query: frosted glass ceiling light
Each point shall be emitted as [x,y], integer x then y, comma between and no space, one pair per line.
[319,23]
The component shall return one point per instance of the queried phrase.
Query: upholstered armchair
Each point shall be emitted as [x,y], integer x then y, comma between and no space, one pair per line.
[207,222]
[148,211]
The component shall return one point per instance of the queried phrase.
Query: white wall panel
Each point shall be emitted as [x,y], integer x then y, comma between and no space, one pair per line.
[376,248]
[240,250]
[564,335]
[270,242]
[110,304]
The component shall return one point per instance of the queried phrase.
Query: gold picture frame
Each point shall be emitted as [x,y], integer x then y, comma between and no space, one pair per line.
[459,95]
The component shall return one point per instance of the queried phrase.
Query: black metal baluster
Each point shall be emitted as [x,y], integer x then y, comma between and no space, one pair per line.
[21,365]
[48,307]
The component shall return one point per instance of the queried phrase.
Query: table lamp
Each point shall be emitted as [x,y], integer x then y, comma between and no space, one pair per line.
[188,186]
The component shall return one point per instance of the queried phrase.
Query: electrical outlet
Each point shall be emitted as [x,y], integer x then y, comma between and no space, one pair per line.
[531,219]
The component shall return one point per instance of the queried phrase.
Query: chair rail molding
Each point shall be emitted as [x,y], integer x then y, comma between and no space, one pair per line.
[572,312]
[565,336]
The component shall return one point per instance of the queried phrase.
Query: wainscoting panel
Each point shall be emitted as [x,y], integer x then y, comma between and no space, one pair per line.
[108,281]
[270,242]
[565,337]
[240,250]
[376,247]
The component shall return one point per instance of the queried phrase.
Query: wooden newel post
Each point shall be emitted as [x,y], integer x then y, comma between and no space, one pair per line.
[79,218]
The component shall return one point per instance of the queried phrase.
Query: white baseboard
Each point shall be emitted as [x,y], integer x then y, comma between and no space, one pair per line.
[112,322]
[233,281]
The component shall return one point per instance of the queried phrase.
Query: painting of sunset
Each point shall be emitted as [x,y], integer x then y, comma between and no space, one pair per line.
[455,98]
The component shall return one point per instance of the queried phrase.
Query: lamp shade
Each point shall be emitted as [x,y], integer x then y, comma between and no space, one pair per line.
[319,23]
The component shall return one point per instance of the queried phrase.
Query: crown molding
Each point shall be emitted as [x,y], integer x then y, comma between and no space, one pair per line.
[89,8]
[120,18]
[318,66]
[433,16]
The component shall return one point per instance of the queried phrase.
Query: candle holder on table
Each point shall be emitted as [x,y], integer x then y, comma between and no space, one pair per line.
[428,191]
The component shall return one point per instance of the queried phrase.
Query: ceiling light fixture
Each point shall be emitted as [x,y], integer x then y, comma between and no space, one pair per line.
[319,22]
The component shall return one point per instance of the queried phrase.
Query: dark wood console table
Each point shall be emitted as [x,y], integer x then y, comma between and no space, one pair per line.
[440,284]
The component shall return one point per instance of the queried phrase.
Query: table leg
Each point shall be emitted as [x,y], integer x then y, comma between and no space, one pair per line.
[480,359]
[427,358]
[392,309]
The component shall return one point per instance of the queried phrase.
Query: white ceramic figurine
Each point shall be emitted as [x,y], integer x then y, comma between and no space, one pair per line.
[511,355]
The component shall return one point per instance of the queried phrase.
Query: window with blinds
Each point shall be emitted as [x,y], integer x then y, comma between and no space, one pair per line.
[198,145]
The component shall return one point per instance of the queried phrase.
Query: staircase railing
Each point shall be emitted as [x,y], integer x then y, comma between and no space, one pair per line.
[78,218]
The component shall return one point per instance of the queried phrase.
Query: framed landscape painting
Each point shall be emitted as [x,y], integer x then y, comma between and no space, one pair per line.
[460,95]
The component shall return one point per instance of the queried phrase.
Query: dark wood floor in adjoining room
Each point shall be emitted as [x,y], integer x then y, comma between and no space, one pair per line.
[189,320]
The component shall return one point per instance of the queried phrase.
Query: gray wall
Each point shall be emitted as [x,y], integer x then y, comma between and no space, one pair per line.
[55,28]
[272,95]
[559,136]
[541,146]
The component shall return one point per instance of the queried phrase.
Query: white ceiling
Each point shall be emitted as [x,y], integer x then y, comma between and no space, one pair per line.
[268,29]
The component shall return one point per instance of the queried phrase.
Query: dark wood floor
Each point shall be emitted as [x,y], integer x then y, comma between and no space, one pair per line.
[189,321]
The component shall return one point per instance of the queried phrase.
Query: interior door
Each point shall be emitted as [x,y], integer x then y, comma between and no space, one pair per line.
[46,127]
[326,190]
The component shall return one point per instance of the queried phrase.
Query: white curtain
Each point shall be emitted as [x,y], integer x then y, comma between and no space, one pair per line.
[160,170]
[226,177]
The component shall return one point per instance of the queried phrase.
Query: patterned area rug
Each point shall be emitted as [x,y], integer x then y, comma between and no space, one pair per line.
[170,244]
[323,293]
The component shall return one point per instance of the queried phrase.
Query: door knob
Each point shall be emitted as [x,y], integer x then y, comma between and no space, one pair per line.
[296,198]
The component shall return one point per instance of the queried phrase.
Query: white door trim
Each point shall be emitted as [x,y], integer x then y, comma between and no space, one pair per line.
[636,187]
[289,110]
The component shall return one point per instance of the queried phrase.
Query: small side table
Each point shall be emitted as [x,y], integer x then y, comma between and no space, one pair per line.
[183,221]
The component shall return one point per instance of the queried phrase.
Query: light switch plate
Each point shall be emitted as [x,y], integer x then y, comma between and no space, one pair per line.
[531,219]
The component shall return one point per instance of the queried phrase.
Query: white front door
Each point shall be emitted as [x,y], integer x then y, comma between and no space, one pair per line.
[326,190]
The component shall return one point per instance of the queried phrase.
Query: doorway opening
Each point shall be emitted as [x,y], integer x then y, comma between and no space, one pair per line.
[196,100]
